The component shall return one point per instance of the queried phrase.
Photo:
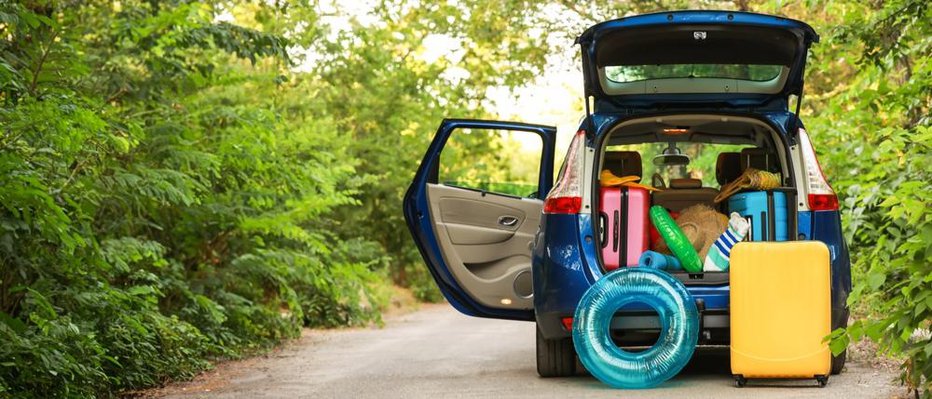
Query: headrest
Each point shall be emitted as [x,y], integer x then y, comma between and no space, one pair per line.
[727,167]
[623,163]
[685,183]
[759,158]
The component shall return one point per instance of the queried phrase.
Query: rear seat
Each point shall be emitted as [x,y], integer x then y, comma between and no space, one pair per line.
[683,193]
[623,163]
[730,165]
[727,167]
[759,158]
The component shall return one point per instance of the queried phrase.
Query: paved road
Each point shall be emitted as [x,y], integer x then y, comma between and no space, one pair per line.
[436,352]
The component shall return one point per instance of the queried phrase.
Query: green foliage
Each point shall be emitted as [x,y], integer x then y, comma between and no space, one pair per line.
[182,181]
[498,161]
[387,96]
[874,133]
[164,199]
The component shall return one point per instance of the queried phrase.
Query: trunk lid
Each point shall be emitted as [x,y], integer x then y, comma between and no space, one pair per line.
[695,58]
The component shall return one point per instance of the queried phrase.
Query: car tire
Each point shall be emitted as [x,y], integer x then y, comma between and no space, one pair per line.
[838,362]
[555,357]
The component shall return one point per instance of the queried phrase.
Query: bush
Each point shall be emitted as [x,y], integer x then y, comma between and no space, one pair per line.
[164,202]
[875,132]
[172,191]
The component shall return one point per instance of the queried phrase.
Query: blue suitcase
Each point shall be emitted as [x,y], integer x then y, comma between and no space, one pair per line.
[766,212]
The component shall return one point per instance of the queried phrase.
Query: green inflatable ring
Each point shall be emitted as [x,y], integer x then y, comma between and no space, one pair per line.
[675,239]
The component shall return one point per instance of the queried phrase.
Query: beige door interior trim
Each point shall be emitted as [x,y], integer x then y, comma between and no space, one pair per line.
[485,242]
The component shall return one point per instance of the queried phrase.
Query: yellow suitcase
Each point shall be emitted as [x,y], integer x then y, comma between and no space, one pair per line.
[780,310]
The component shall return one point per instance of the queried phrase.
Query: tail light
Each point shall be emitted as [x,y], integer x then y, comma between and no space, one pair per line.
[821,196]
[566,195]
[567,323]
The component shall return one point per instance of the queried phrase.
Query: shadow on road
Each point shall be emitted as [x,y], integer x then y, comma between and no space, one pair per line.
[709,361]
[704,362]
[711,365]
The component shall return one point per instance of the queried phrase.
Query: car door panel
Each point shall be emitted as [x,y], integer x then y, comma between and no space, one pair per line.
[477,209]
[476,243]
[495,254]
[473,221]
[464,234]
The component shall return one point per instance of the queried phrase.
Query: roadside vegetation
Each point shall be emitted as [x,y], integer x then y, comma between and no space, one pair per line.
[182,182]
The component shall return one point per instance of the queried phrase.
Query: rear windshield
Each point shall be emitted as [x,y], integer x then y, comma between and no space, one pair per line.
[703,157]
[634,73]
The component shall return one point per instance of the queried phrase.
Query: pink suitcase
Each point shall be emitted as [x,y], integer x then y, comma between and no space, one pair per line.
[623,220]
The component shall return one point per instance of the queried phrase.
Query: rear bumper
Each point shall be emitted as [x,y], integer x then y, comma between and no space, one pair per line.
[714,325]
[564,269]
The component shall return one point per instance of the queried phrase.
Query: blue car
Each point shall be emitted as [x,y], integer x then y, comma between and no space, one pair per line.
[686,100]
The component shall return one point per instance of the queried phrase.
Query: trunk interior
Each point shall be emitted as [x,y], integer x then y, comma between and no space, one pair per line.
[719,148]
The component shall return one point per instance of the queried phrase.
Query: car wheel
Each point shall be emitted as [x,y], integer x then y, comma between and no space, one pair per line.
[555,357]
[838,362]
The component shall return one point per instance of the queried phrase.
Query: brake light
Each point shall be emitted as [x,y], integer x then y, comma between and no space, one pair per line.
[823,202]
[568,323]
[821,196]
[566,195]
[563,205]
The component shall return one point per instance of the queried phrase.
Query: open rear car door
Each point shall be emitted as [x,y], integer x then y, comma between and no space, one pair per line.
[474,207]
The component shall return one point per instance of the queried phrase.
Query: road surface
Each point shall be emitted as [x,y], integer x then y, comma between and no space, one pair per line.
[437,353]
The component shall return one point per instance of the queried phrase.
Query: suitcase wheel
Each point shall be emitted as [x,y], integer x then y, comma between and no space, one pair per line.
[822,379]
[740,381]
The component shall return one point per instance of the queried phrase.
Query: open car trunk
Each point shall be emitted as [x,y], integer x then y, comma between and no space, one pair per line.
[762,147]
[637,326]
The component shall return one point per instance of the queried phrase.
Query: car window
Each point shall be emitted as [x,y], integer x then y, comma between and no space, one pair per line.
[703,157]
[634,73]
[497,161]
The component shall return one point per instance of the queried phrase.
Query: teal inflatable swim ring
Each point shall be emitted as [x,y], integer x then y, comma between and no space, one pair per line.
[679,322]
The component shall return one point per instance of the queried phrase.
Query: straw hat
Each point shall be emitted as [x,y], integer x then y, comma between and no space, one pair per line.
[701,225]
